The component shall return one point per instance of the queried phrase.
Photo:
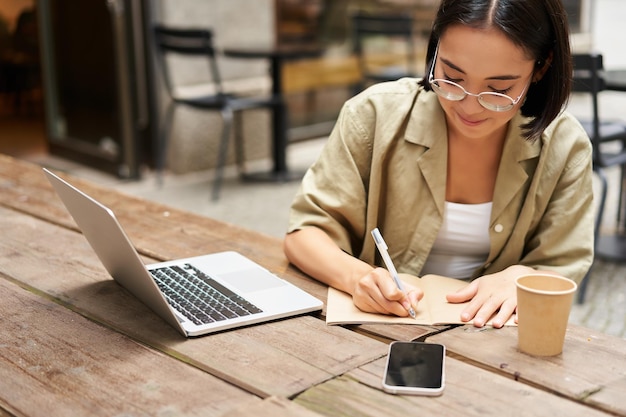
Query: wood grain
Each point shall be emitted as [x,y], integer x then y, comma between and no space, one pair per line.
[591,369]
[280,358]
[469,391]
[56,363]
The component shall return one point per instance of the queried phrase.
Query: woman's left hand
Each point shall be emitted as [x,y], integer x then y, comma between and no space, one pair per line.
[491,297]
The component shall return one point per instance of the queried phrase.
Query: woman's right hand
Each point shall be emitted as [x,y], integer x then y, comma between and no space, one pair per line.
[377,292]
[372,289]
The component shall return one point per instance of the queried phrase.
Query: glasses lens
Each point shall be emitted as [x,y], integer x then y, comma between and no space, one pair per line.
[448,90]
[496,102]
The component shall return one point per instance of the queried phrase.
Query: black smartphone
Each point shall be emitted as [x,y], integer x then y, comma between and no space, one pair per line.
[416,368]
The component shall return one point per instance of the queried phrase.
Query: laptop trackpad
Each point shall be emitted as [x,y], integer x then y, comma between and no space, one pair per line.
[252,280]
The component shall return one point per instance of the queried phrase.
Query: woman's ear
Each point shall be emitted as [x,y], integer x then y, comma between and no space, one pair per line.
[541,67]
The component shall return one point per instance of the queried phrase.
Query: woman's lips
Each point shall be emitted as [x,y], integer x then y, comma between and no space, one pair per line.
[469,122]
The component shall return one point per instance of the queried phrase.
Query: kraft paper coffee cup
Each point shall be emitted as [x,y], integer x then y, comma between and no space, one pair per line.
[543,305]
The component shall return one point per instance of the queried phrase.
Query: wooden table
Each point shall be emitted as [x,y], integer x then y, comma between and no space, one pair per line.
[72,342]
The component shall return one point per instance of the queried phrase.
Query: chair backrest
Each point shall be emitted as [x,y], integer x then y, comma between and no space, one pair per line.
[190,42]
[588,73]
[588,78]
[385,27]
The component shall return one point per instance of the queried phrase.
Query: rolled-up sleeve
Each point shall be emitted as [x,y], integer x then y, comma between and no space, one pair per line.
[333,193]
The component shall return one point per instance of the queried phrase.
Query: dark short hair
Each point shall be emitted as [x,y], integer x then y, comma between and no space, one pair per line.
[539,27]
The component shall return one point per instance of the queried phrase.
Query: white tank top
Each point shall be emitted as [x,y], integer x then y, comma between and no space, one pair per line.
[462,244]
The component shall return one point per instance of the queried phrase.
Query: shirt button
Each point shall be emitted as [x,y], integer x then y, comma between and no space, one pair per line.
[498,228]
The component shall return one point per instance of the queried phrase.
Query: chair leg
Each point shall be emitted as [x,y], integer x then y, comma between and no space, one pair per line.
[239,145]
[161,146]
[227,119]
[620,195]
[596,233]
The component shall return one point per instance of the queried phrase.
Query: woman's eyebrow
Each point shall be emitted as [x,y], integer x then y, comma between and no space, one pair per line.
[505,77]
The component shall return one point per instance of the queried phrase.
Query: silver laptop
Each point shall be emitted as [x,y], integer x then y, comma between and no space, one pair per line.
[198,295]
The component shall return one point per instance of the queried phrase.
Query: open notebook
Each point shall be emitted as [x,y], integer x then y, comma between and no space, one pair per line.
[433,309]
[198,295]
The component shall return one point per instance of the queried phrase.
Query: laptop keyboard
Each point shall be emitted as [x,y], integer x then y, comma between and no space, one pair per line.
[199,297]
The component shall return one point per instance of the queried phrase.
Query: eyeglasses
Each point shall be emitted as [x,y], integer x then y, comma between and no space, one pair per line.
[454,92]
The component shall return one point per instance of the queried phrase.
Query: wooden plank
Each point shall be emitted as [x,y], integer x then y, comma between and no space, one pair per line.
[469,391]
[23,187]
[280,358]
[591,369]
[54,362]
[274,407]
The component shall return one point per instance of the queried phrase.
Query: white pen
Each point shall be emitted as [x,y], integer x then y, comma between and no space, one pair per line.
[382,248]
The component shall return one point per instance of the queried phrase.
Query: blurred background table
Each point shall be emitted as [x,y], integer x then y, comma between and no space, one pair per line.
[276,56]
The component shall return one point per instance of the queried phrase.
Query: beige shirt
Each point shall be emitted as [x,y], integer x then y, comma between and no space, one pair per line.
[385,166]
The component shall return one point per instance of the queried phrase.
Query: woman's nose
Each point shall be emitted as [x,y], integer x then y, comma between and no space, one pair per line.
[471,104]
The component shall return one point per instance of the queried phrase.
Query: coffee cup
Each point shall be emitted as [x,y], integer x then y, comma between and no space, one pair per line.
[544,302]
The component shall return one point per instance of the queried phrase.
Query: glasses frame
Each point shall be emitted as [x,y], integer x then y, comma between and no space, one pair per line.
[480,96]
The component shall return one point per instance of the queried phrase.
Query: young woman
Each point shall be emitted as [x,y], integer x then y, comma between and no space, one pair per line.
[473,172]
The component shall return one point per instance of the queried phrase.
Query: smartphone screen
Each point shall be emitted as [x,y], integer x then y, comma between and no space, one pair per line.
[415,368]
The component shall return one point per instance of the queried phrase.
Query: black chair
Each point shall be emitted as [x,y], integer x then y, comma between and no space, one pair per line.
[384,30]
[196,42]
[608,138]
